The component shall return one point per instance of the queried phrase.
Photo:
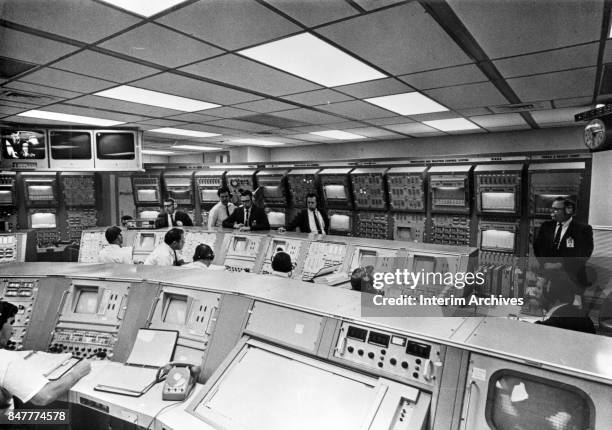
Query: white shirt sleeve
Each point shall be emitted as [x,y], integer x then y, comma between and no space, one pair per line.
[18,378]
[212,216]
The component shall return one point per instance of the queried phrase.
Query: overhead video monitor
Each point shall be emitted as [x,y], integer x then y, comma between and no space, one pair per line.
[497,240]
[85,300]
[18,144]
[340,223]
[115,145]
[272,192]
[276,219]
[335,192]
[208,195]
[180,194]
[147,195]
[43,220]
[175,309]
[70,145]
[497,202]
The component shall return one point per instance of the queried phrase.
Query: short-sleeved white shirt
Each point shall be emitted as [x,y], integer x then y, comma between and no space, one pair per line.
[17,377]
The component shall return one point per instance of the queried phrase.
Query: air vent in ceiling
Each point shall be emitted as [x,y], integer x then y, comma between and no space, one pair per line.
[521,107]
[11,68]
[27,97]
[606,79]
[272,121]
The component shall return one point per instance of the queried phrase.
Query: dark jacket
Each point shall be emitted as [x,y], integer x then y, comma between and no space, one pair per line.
[258,220]
[301,221]
[575,248]
[162,220]
[569,317]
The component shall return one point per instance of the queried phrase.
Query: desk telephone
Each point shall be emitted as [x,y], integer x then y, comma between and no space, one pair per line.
[180,379]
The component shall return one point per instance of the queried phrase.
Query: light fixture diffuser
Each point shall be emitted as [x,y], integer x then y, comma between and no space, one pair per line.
[145,8]
[183,132]
[311,58]
[452,124]
[196,147]
[258,142]
[77,119]
[407,103]
[154,98]
[337,134]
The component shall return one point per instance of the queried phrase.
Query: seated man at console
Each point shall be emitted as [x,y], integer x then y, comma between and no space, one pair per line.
[165,254]
[18,379]
[248,216]
[113,252]
[311,219]
[170,217]
[202,257]
[562,313]
[282,265]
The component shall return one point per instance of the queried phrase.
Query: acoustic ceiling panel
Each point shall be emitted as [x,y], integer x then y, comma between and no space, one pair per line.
[66,80]
[41,89]
[265,106]
[95,113]
[557,116]
[317,97]
[501,120]
[357,109]
[28,47]
[104,67]
[467,96]
[123,106]
[379,87]
[445,77]
[573,83]
[315,12]
[308,116]
[412,128]
[401,40]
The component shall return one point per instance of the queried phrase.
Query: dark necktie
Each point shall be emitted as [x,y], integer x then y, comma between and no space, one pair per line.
[557,238]
[227,211]
[317,223]
[246,217]
[175,259]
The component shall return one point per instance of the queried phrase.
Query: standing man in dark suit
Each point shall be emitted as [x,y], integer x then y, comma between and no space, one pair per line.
[563,247]
[170,217]
[248,216]
[311,219]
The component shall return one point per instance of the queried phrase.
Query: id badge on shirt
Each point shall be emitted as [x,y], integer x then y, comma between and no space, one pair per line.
[569,242]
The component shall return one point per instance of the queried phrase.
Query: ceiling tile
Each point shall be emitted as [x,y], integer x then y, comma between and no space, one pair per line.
[372,132]
[357,109]
[315,12]
[157,44]
[240,125]
[40,89]
[314,138]
[501,120]
[412,128]
[434,116]
[227,112]
[94,113]
[161,122]
[510,128]
[26,47]
[230,24]
[376,4]
[474,111]
[122,106]
[575,101]
[20,96]
[412,40]
[345,125]
[556,116]
[66,80]
[308,116]
[551,61]
[445,77]
[379,87]
[608,52]
[310,128]
[265,105]
[104,67]
[9,110]
[390,120]
[467,96]
[573,83]
[318,97]
[193,117]
[172,83]
[89,22]
[501,28]
[241,72]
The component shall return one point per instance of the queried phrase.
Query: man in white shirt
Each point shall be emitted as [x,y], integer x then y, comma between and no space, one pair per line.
[168,252]
[18,378]
[311,219]
[113,252]
[221,210]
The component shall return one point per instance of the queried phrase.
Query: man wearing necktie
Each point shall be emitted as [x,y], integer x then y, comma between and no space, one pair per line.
[562,247]
[222,210]
[311,219]
[170,217]
[248,216]
[168,252]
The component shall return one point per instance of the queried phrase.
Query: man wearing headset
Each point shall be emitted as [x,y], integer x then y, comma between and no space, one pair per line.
[562,247]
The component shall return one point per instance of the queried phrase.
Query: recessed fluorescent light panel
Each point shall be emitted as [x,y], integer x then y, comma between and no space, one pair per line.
[156,152]
[453,124]
[77,119]
[153,98]
[337,134]
[407,103]
[196,147]
[145,8]
[311,58]
[258,142]
[183,132]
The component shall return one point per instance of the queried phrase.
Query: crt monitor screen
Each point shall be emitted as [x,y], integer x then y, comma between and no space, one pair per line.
[23,144]
[147,195]
[340,223]
[448,196]
[208,195]
[497,240]
[276,219]
[272,192]
[424,263]
[180,194]
[175,311]
[70,145]
[43,220]
[497,201]
[239,244]
[86,300]
[115,146]
[6,197]
[40,192]
[335,192]
[519,401]
[543,202]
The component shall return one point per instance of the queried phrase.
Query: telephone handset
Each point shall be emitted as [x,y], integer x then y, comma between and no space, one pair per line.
[180,379]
